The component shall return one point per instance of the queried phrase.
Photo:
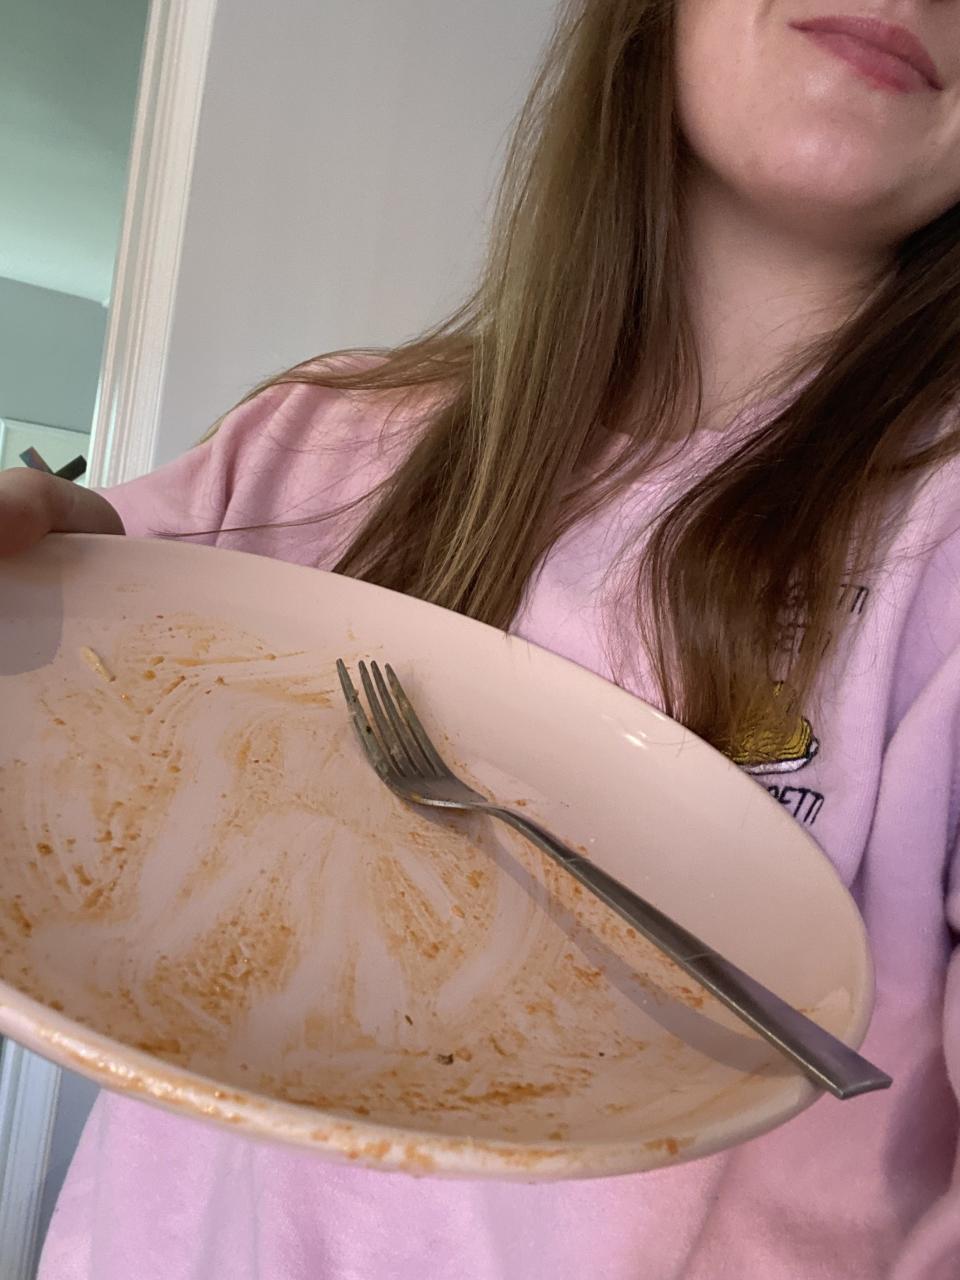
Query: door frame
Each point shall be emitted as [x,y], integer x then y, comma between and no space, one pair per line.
[162,153]
[29,1090]
[126,418]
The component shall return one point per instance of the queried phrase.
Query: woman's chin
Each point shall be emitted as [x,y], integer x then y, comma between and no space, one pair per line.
[852,200]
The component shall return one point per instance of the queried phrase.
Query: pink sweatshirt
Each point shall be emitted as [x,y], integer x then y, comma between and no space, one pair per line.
[853,1191]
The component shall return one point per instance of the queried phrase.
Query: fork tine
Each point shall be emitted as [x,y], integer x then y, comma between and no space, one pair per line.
[418,758]
[391,741]
[368,739]
[416,728]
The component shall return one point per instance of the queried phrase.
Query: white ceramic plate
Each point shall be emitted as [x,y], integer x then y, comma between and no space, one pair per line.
[210,902]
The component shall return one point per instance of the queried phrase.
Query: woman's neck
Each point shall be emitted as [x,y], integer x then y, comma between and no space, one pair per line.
[758,294]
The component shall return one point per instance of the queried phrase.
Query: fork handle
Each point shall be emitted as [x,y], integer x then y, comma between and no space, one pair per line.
[825,1059]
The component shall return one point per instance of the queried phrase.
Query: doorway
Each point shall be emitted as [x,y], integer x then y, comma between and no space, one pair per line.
[68,87]
[69,76]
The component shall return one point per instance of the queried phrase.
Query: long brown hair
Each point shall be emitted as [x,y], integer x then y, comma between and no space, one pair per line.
[578,331]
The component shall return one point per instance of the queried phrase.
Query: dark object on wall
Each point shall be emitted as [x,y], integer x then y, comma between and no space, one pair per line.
[72,471]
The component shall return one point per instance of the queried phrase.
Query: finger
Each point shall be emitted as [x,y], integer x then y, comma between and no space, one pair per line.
[33,504]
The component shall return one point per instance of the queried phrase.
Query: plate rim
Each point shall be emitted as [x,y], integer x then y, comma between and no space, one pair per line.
[134,1073]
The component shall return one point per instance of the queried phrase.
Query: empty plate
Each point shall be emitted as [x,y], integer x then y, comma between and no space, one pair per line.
[212,903]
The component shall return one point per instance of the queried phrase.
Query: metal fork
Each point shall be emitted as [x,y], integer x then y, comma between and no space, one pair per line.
[399,749]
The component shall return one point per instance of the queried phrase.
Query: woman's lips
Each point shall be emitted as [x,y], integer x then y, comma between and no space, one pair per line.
[888,56]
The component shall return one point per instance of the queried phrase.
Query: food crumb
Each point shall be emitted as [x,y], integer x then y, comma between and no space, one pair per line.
[96,663]
[159,1045]
[20,917]
[445,1059]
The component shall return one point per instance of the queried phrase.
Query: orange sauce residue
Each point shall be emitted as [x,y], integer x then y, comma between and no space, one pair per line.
[436,892]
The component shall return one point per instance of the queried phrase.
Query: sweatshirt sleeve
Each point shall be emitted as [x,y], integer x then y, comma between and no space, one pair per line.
[285,475]
[926,703]
[932,1252]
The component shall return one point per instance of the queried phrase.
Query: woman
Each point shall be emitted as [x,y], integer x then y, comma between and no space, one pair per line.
[697,431]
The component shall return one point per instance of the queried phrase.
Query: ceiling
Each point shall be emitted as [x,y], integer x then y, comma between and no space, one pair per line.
[68,83]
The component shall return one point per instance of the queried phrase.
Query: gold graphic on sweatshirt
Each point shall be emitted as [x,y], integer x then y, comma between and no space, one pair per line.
[776,744]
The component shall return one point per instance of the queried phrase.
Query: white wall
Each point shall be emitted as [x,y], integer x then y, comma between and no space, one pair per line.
[68,79]
[50,347]
[345,157]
